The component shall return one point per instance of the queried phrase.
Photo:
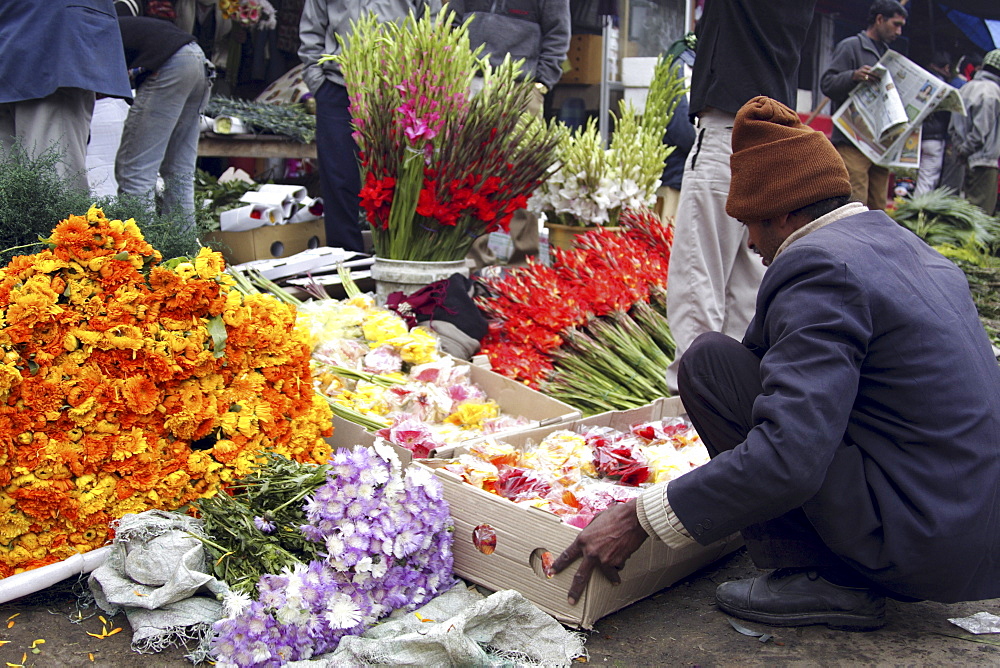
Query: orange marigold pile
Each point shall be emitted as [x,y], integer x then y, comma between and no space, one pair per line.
[127,384]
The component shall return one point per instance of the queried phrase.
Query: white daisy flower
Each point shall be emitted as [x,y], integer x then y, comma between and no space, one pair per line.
[235,602]
[342,612]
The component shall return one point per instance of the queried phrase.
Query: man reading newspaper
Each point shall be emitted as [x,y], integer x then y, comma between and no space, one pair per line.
[851,68]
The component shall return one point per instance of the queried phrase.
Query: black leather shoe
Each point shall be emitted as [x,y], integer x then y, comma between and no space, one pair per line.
[795,597]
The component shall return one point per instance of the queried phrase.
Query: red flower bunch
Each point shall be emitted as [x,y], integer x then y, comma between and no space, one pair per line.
[441,167]
[608,271]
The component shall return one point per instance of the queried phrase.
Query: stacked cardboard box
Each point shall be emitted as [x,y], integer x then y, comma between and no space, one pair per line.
[585,57]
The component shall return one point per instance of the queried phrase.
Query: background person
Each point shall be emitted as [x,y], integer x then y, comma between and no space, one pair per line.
[745,48]
[934,133]
[160,136]
[851,64]
[975,138]
[855,432]
[953,169]
[55,57]
[339,172]
[680,134]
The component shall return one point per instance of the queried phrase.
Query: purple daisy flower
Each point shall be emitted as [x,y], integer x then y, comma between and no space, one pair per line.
[263,524]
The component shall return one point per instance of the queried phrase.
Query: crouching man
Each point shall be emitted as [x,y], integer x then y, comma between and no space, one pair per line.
[855,432]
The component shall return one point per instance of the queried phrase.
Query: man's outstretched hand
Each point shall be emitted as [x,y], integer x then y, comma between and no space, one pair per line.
[606,543]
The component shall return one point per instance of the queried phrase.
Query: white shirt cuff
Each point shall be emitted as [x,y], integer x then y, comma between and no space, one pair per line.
[659,520]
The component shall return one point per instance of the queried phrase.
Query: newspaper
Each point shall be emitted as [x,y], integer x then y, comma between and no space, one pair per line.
[883,118]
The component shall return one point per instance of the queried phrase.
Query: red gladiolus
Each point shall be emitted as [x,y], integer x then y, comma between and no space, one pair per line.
[608,272]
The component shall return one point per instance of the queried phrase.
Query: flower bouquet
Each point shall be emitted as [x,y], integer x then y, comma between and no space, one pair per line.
[129,384]
[577,474]
[439,167]
[314,554]
[251,14]
[591,185]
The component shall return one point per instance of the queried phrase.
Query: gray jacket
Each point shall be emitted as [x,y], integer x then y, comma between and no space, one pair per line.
[850,54]
[976,137]
[536,30]
[323,20]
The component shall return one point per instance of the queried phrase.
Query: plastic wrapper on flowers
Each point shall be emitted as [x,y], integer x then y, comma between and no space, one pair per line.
[129,384]
[578,474]
[378,372]
[255,14]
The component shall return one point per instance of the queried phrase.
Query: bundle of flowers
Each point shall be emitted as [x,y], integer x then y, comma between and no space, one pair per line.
[439,166]
[280,118]
[367,538]
[592,184]
[578,474]
[254,14]
[590,330]
[127,384]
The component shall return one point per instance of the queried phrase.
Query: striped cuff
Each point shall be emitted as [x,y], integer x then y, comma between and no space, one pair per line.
[658,518]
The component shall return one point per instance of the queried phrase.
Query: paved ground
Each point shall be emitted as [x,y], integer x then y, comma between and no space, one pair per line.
[677,627]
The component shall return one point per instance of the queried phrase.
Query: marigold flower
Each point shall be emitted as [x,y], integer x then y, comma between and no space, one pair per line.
[108,380]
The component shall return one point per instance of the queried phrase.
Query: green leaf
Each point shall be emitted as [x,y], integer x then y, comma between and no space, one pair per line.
[172,263]
[217,330]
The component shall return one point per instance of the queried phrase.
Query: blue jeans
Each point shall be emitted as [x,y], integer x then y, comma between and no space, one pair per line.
[161,132]
[339,172]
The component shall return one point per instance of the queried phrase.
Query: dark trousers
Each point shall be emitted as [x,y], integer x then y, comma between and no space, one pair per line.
[981,188]
[718,379]
[339,174]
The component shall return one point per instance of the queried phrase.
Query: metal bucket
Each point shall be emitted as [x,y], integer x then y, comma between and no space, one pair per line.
[408,276]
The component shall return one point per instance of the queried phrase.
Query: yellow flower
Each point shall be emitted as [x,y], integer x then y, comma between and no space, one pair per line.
[472,414]
[209,264]
[421,347]
[381,327]
[9,377]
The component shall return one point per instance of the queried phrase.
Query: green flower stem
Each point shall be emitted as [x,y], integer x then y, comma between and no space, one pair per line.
[655,324]
[377,379]
[351,415]
[267,284]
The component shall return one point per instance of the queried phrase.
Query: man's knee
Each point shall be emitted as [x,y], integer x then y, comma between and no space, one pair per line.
[716,365]
[705,354]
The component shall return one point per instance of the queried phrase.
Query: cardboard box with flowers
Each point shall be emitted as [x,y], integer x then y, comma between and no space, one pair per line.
[517,503]
[128,384]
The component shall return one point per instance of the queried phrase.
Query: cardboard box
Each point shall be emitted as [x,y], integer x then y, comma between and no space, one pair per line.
[268,241]
[513,397]
[585,55]
[524,534]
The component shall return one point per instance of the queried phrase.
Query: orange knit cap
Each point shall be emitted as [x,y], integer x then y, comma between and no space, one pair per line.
[778,164]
